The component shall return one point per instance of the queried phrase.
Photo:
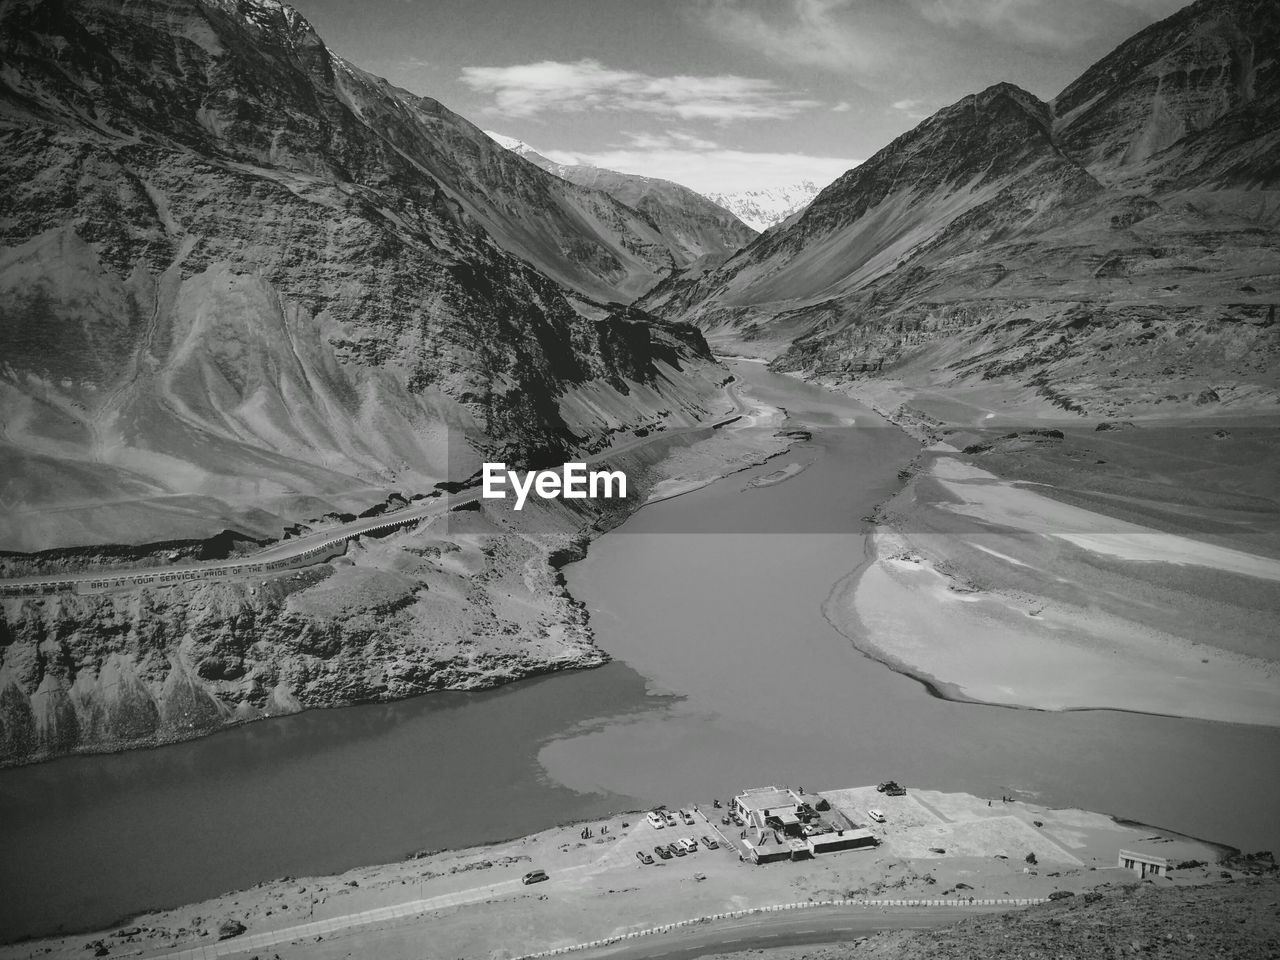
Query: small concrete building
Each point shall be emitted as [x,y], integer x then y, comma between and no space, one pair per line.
[785,827]
[841,840]
[760,804]
[1143,864]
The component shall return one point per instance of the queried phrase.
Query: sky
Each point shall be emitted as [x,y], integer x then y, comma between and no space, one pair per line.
[721,95]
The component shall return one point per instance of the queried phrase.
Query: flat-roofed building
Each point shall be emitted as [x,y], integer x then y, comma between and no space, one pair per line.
[1142,863]
[759,804]
[841,840]
[785,826]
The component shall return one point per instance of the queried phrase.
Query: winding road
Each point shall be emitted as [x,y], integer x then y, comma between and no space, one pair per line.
[311,548]
[771,930]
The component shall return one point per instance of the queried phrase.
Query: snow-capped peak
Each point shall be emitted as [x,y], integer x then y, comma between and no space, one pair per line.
[762,208]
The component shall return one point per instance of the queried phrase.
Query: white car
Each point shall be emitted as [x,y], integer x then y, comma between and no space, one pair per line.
[689,844]
[656,821]
[876,815]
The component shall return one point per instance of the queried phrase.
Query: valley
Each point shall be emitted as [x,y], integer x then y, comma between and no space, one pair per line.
[958,469]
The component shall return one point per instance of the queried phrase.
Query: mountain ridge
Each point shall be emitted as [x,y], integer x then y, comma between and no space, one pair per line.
[697,229]
[1138,195]
[241,274]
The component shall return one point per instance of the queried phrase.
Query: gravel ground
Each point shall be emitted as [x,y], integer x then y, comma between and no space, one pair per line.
[1239,920]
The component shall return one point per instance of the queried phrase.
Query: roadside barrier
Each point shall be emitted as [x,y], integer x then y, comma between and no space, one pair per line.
[337,925]
[780,907]
[334,546]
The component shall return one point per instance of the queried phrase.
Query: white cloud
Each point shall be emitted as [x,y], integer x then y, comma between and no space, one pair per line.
[525,90]
[844,106]
[872,39]
[709,169]
[914,109]
[670,139]
[1032,21]
[803,31]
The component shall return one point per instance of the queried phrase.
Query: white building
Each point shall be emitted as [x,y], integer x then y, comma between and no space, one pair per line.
[1143,864]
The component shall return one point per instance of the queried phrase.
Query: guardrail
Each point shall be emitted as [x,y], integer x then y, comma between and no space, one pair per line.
[51,586]
[161,577]
[777,908]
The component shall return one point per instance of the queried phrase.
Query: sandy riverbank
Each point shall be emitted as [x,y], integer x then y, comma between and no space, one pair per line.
[1057,566]
[470,903]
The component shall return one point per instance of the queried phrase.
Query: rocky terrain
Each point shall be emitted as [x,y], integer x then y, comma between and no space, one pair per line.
[244,284]
[467,600]
[699,231]
[243,281]
[1237,920]
[463,604]
[1107,251]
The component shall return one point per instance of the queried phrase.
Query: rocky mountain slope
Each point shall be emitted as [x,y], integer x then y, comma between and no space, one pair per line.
[767,206]
[244,283]
[697,230]
[1113,249]
[242,280]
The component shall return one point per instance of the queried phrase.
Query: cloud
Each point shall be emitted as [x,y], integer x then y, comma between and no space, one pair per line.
[526,90]
[872,39]
[802,32]
[913,109]
[1047,23]
[844,106]
[706,166]
[1152,8]
[670,139]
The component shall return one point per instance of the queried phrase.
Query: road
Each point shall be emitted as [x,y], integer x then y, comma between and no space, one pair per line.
[827,924]
[819,925]
[310,548]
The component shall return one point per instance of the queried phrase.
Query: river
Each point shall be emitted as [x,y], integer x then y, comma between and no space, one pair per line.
[726,675]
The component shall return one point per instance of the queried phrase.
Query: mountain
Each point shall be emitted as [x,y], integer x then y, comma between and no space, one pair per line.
[1108,251]
[767,207]
[695,228]
[242,280]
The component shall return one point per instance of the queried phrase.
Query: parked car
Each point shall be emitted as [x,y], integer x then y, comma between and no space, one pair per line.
[643,857]
[534,876]
[690,845]
[677,849]
[876,815]
[662,851]
[687,817]
[656,821]
[725,820]
[709,843]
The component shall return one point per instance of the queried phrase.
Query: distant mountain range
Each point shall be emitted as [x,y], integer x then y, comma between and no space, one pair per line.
[759,209]
[695,228]
[1115,248]
[766,207]
[241,277]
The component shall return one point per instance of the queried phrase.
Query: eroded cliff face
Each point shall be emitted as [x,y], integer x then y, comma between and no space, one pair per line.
[464,602]
[243,282]
[1113,249]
